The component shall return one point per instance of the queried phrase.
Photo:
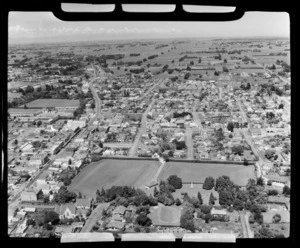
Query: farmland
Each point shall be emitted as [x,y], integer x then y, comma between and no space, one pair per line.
[108,173]
[197,172]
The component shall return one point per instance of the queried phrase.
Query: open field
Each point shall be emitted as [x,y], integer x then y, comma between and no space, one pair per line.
[108,173]
[52,103]
[197,172]
[165,216]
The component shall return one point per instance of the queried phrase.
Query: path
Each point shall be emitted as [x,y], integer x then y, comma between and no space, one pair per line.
[244,227]
[94,217]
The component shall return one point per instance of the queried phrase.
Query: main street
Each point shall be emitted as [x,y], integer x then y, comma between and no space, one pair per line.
[142,129]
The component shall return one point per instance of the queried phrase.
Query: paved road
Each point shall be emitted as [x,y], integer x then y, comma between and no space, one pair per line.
[141,130]
[242,110]
[189,143]
[94,217]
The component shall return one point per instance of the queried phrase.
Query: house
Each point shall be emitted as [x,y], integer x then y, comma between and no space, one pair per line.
[59,230]
[66,211]
[83,203]
[119,210]
[216,212]
[116,225]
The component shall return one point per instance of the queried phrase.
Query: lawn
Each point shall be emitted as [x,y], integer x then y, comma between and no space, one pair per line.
[194,191]
[197,172]
[165,215]
[108,173]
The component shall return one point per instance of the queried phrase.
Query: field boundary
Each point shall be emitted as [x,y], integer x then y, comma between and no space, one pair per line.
[250,162]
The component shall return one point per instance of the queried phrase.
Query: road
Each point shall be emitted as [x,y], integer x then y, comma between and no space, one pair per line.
[13,203]
[245,118]
[244,227]
[95,95]
[141,130]
[189,143]
[196,115]
[270,72]
[94,217]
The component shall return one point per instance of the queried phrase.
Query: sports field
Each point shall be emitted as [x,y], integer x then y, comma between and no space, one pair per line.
[165,216]
[108,173]
[197,172]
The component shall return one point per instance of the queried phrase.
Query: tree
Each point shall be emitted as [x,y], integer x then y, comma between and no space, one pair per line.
[281,106]
[222,183]
[70,161]
[177,202]
[16,142]
[46,199]
[230,126]
[225,69]
[64,196]
[40,195]
[143,220]
[51,216]
[205,209]
[199,196]
[186,220]
[260,181]
[30,222]
[186,76]
[211,199]
[238,149]
[258,217]
[276,218]
[246,162]
[25,106]
[199,61]
[155,192]
[175,181]
[209,183]
[208,218]
[286,190]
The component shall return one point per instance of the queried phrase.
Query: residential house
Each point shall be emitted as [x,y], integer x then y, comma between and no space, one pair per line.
[66,211]
[217,213]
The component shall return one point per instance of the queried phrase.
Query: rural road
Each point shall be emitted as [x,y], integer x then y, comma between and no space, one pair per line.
[94,217]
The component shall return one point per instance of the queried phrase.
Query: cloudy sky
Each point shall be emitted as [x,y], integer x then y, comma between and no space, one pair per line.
[36,27]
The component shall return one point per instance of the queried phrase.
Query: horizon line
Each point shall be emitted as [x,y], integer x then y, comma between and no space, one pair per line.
[158,38]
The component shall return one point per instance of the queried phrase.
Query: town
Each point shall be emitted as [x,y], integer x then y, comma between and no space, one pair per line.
[161,136]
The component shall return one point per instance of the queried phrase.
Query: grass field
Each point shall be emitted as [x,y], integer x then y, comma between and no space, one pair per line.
[197,172]
[165,216]
[108,173]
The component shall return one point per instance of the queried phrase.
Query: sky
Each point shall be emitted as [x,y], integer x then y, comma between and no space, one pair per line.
[44,27]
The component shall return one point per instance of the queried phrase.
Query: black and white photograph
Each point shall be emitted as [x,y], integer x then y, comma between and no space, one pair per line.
[148,130]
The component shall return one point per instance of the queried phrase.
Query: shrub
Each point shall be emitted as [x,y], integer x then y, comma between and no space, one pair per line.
[276,218]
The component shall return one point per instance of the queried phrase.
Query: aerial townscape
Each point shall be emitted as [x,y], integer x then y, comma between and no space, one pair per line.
[150,136]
